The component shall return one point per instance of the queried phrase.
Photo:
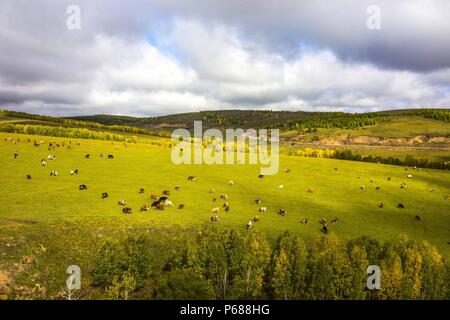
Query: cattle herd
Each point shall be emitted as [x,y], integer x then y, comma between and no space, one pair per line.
[162,202]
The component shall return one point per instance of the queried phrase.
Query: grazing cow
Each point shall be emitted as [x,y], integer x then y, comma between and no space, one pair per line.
[225,205]
[323,221]
[166,192]
[215,210]
[403,186]
[43,162]
[126,210]
[250,224]
[155,203]
[418,218]
[310,190]
[324,229]
[145,207]
[160,206]
[16,154]
[334,220]
[362,187]
[83,187]
[389,179]
[224,196]
[28,177]
[153,196]
[102,155]
[36,144]
[87,156]
[162,199]
[54,173]
[381,205]
[231,182]
[214,199]
[255,219]
[378,188]
[281,187]
[177,188]
[121,202]
[400,206]
[181,206]
[76,171]
[104,195]
[168,203]
[72,172]
[409,175]
[282,212]
[50,157]
[212,190]
[141,190]
[261,176]
[257,201]
[227,208]
[372,181]
[263,209]
[304,221]
[335,169]
[191,178]
[287,170]
[214,219]
[110,156]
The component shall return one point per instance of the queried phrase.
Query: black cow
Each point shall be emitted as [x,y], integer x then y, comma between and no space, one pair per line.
[104,195]
[418,218]
[83,187]
[400,206]
[126,210]
[28,177]
[324,229]
[110,156]
[141,190]
[87,156]
[155,203]
[261,176]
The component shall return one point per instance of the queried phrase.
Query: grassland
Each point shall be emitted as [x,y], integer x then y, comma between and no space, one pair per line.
[47,199]
[51,221]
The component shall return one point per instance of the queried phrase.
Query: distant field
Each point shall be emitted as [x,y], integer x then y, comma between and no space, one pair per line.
[400,126]
[431,154]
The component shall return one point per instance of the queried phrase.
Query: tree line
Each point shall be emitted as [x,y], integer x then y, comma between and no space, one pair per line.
[228,264]
[58,131]
[85,124]
[331,120]
[409,160]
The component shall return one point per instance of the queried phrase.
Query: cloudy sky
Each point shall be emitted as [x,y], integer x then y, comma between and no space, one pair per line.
[163,56]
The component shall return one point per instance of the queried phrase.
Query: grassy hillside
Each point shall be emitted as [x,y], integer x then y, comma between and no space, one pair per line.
[336,192]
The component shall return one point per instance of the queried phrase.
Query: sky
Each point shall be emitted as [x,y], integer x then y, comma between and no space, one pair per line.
[148,58]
